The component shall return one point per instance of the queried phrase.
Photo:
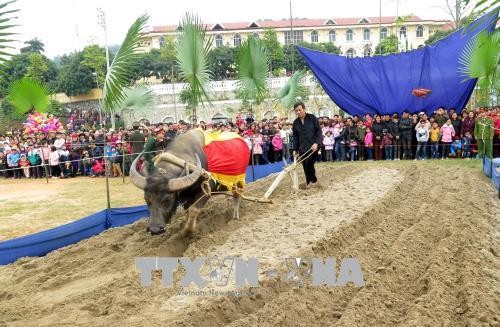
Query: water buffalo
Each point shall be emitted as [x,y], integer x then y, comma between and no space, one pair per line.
[171,185]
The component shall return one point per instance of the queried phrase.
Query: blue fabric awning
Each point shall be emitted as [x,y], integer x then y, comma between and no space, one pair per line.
[384,84]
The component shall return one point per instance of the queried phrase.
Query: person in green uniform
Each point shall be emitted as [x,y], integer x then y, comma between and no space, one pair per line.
[151,147]
[483,131]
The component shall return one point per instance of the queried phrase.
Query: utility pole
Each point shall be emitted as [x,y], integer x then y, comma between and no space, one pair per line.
[380,28]
[101,20]
[291,37]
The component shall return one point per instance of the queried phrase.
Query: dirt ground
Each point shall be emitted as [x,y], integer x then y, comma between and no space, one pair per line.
[426,235]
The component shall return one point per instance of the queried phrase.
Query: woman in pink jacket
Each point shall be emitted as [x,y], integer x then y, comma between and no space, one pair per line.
[369,143]
[257,147]
[447,135]
[277,143]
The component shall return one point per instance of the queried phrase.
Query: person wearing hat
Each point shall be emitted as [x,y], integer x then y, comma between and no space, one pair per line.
[137,139]
[153,146]
[13,162]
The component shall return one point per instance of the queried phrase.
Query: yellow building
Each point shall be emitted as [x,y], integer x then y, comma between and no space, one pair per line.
[356,37]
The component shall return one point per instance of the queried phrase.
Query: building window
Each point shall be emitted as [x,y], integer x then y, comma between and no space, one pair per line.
[367,52]
[162,41]
[348,35]
[298,37]
[331,36]
[366,34]
[314,36]
[255,35]
[383,33]
[420,31]
[218,41]
[236,40]
[350,53]
[402,32]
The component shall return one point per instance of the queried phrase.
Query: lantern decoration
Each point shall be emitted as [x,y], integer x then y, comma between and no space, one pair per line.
[421,92]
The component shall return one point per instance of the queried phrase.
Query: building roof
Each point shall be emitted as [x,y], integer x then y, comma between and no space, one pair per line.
[296,23]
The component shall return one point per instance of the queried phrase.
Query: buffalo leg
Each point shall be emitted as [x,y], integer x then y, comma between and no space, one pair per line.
[192,215]
[236,206]
[236,201]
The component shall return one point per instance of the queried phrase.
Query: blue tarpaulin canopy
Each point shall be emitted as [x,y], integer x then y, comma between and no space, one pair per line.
[384,84]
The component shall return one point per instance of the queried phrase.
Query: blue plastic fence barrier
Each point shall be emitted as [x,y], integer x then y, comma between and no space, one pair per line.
[44,242]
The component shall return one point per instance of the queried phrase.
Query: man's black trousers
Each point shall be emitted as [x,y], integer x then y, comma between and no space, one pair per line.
[309,170]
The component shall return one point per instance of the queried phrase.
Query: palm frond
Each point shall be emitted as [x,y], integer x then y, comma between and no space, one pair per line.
[192,54]
[136,98]
[119,75]
[293,89]
[253,71]
[5,26]
[26,94]
[480,56]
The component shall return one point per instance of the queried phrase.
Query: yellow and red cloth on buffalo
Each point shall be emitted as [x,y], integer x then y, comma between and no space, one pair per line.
[227,156]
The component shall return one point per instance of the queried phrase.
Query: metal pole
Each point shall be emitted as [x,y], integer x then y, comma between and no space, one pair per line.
[106,164]
[44,166]
[292,37]
[380,28]
[253,163]
[123,165]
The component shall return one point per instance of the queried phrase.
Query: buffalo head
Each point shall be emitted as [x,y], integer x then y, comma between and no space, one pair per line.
[161,190]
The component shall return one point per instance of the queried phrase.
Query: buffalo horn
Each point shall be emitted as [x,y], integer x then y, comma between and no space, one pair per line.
[135,177]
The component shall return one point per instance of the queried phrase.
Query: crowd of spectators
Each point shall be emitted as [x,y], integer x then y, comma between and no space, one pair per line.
[85,149]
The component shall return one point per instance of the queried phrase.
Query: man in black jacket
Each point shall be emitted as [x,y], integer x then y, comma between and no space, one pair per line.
[306,136]
[407,131]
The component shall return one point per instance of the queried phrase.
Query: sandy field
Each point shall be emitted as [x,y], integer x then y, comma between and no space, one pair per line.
[427,236]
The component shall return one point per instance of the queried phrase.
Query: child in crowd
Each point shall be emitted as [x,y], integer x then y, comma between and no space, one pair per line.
[117,169]
[67,171]
[447,135]
[353,145]
[369,143]
[456,148]
[435,135]
[422,138]
[328,142]
[54,162]
[277,142]
[3,164]
[467,145]
[97,168]
[25,165]
[387,144]
[87,163]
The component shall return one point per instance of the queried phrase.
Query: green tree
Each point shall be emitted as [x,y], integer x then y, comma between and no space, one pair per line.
[192,53]
[37,68]
[74,77]
[18,66]
[293,89]
[223,63]
[94,57]
[480,59]
[253,71]
[298,61]
[27,95]
[119,75]
[34,45]
[6,26]
[437,35]
[387,46]
[274,50]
